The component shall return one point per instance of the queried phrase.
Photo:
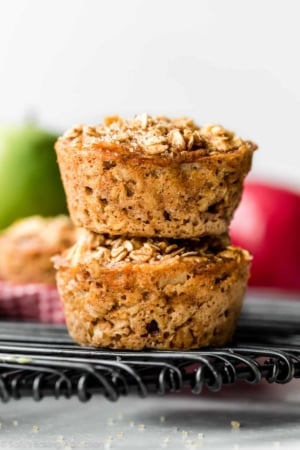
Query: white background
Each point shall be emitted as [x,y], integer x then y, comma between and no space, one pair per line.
[232,62]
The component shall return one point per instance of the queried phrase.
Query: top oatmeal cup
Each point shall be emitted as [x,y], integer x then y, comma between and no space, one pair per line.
[153,176]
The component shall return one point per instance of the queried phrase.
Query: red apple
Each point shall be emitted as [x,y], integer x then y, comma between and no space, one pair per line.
[267,223]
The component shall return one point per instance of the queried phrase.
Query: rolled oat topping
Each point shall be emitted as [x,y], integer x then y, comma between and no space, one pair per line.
[109,250]
[158,135]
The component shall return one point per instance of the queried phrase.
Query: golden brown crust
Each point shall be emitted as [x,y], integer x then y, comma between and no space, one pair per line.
[177,303]
[26,248]
[152,136]
[184,194]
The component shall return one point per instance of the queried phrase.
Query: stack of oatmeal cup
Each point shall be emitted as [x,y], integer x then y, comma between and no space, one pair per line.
[152,266]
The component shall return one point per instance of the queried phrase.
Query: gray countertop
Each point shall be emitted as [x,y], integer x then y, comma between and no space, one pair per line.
[264,416]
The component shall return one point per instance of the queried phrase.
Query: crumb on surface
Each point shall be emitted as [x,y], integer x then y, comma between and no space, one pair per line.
[235,424]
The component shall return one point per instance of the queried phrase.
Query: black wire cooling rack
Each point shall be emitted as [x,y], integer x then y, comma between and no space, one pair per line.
[41,360]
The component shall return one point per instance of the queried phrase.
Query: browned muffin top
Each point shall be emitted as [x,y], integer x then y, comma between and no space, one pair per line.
[28,244]
[36,234]
[157,135]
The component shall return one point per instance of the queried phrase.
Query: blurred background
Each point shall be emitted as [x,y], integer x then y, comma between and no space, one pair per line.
[231,62]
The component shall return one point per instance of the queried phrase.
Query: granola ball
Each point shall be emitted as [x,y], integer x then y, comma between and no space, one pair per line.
[153,176]
[158,293]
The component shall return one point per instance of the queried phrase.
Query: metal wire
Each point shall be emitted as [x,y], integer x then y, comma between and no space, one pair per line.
[41,360]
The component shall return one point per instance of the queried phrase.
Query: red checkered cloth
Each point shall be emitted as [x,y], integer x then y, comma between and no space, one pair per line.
[36,302]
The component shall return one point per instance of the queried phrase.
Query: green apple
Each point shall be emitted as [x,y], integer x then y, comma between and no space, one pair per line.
[29,176]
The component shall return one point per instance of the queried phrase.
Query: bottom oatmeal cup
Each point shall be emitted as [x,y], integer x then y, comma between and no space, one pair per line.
[151,293]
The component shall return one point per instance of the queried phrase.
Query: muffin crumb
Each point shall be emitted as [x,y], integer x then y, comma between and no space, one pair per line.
[235,425]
